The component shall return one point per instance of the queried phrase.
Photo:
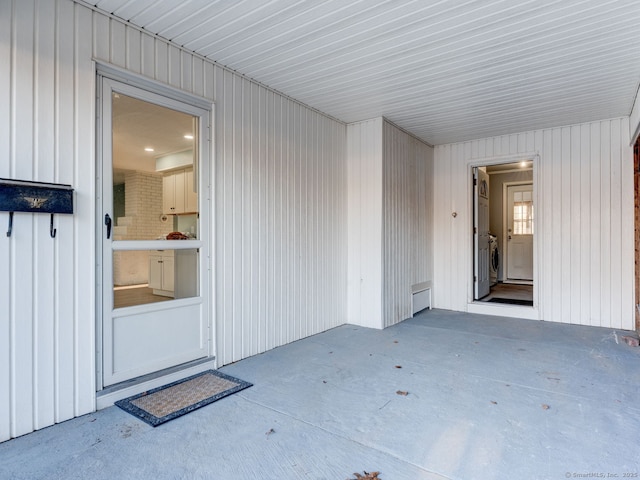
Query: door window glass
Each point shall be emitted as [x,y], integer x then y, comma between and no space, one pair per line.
[154,165]
[522,213]
[150,276]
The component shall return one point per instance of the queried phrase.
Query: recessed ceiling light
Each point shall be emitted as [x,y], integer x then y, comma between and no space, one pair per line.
[148,149]
[188,136]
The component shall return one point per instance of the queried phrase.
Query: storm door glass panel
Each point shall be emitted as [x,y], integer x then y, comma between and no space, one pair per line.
[151,276]
[155,198]
[154,184]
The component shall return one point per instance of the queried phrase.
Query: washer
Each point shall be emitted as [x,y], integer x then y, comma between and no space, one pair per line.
[494,259]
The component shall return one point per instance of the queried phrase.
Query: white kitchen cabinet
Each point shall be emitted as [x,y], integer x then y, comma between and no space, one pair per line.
[162,272]
[178,192]
[174,273]
[190,192]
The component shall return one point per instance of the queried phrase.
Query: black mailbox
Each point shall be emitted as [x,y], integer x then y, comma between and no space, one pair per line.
[34,197]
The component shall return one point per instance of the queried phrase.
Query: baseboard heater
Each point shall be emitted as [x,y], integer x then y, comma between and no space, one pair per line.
[421,295]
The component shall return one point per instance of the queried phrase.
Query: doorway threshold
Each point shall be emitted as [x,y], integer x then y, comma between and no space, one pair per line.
[504,310]
[106,397]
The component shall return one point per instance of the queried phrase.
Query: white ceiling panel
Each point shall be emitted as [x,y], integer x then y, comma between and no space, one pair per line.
[444,70]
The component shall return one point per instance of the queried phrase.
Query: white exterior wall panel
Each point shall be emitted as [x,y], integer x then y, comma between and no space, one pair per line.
[407,220]
[390,218]
[280,230]
[47,315]
[584,227]
[365,198]
[278,192]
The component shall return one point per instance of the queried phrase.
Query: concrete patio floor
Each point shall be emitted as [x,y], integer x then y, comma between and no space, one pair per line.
[488,398]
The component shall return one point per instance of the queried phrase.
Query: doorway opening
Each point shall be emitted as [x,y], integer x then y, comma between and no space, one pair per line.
[153,237]
[503,233]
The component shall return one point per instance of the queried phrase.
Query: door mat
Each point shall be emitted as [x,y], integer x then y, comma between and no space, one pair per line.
[165,403]
[512,301]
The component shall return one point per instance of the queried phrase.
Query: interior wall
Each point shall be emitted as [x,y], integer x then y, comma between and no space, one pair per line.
[278,192]
[584,236]
[496,207]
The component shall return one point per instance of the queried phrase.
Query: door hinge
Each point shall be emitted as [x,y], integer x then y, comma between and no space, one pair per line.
[475,279]
[475,230]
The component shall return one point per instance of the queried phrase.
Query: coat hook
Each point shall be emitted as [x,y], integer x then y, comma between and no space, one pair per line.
[52,231]
[10,224]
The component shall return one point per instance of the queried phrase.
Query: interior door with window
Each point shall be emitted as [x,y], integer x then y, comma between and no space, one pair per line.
[520,226]
[153,242]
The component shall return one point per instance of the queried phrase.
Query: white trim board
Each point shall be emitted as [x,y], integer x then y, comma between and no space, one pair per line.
[504,310]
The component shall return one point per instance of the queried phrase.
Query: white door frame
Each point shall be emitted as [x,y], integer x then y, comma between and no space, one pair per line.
[505,310]
[205,180]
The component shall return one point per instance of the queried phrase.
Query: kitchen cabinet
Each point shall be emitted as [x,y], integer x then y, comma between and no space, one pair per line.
[178,192]
[174,273]
[162,272]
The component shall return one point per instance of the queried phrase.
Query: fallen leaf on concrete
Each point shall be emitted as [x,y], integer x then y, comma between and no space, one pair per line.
[368,476]
[402,392]
[545,406]
[631,341]
[395,341]
[398,366]
[271,430]
[495,403]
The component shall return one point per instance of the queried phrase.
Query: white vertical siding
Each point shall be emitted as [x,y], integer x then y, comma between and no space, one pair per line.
[389,221]
[585,221]
[364,206]
[407,212]
[280,221]
[47,312]
[6,330]
[279,194]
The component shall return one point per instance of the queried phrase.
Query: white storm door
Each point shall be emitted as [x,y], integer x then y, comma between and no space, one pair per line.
[155,292]
[520,230]
[482,280]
